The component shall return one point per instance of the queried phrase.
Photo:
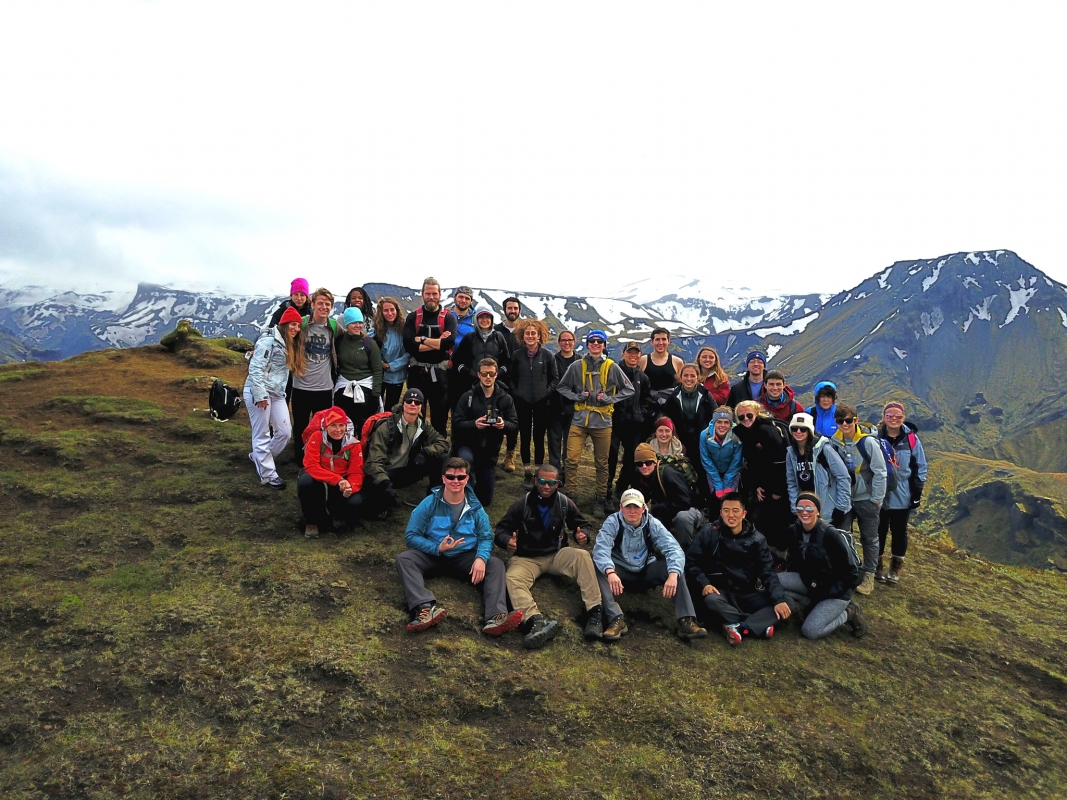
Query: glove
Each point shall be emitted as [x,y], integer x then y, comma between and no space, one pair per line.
[916,498]
[461,369]
[420,459]
[389,492]
[837,518]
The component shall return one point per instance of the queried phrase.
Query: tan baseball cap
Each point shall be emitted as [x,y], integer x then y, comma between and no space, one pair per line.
[632,497]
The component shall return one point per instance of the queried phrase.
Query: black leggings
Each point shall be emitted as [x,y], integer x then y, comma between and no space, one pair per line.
[533,415]
[320,502]
[305,404]
[894,521]
[391,394]
[357,412]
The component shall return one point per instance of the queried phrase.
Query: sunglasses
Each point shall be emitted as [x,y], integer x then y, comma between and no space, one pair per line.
[600,342]
[548,482]
[413,402]
[805,509]
[743,417]
[487,374]
[454,476]
[795,428]
[847,421]
[894,416]
[644,463]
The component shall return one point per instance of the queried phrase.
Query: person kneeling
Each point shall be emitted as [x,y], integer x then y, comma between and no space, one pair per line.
[731,565]
[623,556]
[449,533]
[534,530]
[824,568]
[333,472]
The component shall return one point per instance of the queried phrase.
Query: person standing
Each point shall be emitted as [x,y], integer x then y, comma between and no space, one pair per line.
[512,309]
[777,398]
[357,297]
[764,441]
[632,416]
[712,375]
[661,367]
[299,300]
[479,421]
[562,409]
[279,353]
[594,384]
[463,310]
[429,333]
[389,334]
[485,341]
[910,479]
[313,390]
[358,389]
[813,465]
[825,407]
[749,385]
[690,406]
[532,379]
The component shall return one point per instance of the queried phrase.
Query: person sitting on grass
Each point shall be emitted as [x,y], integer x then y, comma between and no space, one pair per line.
[624,558]
[731,567]
[333,472]
[534,531]
[667,493]
[821,573]
[449,534]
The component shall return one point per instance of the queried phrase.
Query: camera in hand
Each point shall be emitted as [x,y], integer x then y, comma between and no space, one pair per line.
[490,415]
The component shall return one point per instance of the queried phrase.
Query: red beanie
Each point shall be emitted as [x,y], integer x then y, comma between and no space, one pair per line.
[290,315]
[334,414]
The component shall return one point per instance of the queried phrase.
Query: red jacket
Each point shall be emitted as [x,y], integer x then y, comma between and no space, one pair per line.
[322,464]
[720,393]
[785,409]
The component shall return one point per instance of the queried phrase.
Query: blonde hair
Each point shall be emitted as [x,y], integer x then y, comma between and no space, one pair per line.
[320,292]
[746,405]
[542,329]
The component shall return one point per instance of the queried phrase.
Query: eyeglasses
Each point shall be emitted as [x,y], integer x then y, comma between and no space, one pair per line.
[487,374]
[795,428]
[743,417]
[847,421]
[600,342]
[894,416]
[566,341]
[548,482]
[645,463]
[412,402]
[805,509]
[454,476]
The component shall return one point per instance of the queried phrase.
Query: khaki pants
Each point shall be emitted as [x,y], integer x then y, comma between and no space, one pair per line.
[601,445]
[570,562]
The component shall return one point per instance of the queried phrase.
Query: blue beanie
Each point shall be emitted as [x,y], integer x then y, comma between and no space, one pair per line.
[352,314]
[756,354]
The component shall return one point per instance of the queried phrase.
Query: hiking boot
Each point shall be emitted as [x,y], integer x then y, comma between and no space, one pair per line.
[428,616]
[879,572]
[616,629]
[855,621]
[540,632]
[502,623]
[689,629]
[277,483]
[867,584]
[594,625]
[527,479]
[311,531]
[598,506]
[509,460]
[894,571]
[732,633]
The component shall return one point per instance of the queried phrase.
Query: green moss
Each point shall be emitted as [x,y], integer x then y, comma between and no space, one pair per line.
[126,410]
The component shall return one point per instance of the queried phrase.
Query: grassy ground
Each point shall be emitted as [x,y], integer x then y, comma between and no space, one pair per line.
[167,632]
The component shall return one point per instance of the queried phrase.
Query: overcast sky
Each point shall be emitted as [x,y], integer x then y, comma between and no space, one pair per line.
[553,146]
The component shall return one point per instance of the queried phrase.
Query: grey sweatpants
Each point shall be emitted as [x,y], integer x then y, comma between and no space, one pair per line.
[823,618]
[653,575]
[414,567]
[867,513]
[685,526]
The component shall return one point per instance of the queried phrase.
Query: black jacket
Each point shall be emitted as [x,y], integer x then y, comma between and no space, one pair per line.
[431,330]
[305,311]
[472,349]
[473,404]
[823,561]
[640,408]
[764,447]
[562,406]
[665,491]
[689,430]
[740,390]
[531,537]
[734,564]
[532,379]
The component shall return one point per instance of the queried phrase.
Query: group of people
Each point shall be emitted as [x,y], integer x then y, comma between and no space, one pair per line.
[691,462]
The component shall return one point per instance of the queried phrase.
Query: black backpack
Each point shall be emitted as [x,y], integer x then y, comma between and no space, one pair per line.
[223,400]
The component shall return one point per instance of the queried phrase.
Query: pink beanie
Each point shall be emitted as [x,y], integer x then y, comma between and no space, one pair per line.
[298,285]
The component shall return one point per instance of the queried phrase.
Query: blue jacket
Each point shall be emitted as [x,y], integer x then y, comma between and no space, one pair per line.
[464,325]
[908,459]
[870,481]
[431,521]
[632,552]
[268,371]
[832,481]
[825,425]
[722,462]
[394,354]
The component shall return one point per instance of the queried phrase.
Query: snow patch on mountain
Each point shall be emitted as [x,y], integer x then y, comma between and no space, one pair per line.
[972,258]
[970,281]
[931,321]
[883,278]
[1019,299]
[901,354]
[1063,316]
[796,326]
[928,282]
[772,351]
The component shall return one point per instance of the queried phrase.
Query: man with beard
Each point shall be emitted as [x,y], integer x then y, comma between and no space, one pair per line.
[429,335]
[479,422]
[512,309]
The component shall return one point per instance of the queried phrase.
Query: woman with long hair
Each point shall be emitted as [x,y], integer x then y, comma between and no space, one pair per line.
[811,465]
[712,375]
[389,334]
[279,353]
[357,297]
[533,378]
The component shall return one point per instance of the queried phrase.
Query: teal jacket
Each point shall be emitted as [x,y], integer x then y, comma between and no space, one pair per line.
[431,522]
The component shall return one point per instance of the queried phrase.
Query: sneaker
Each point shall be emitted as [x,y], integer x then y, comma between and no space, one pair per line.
[855,621]
[277,483]
[311,531]
[689,629]
[594,625]
[540,632]
[616,629]
[732,633]
[502,623]
[867,584]
[767,634]
[427,617]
